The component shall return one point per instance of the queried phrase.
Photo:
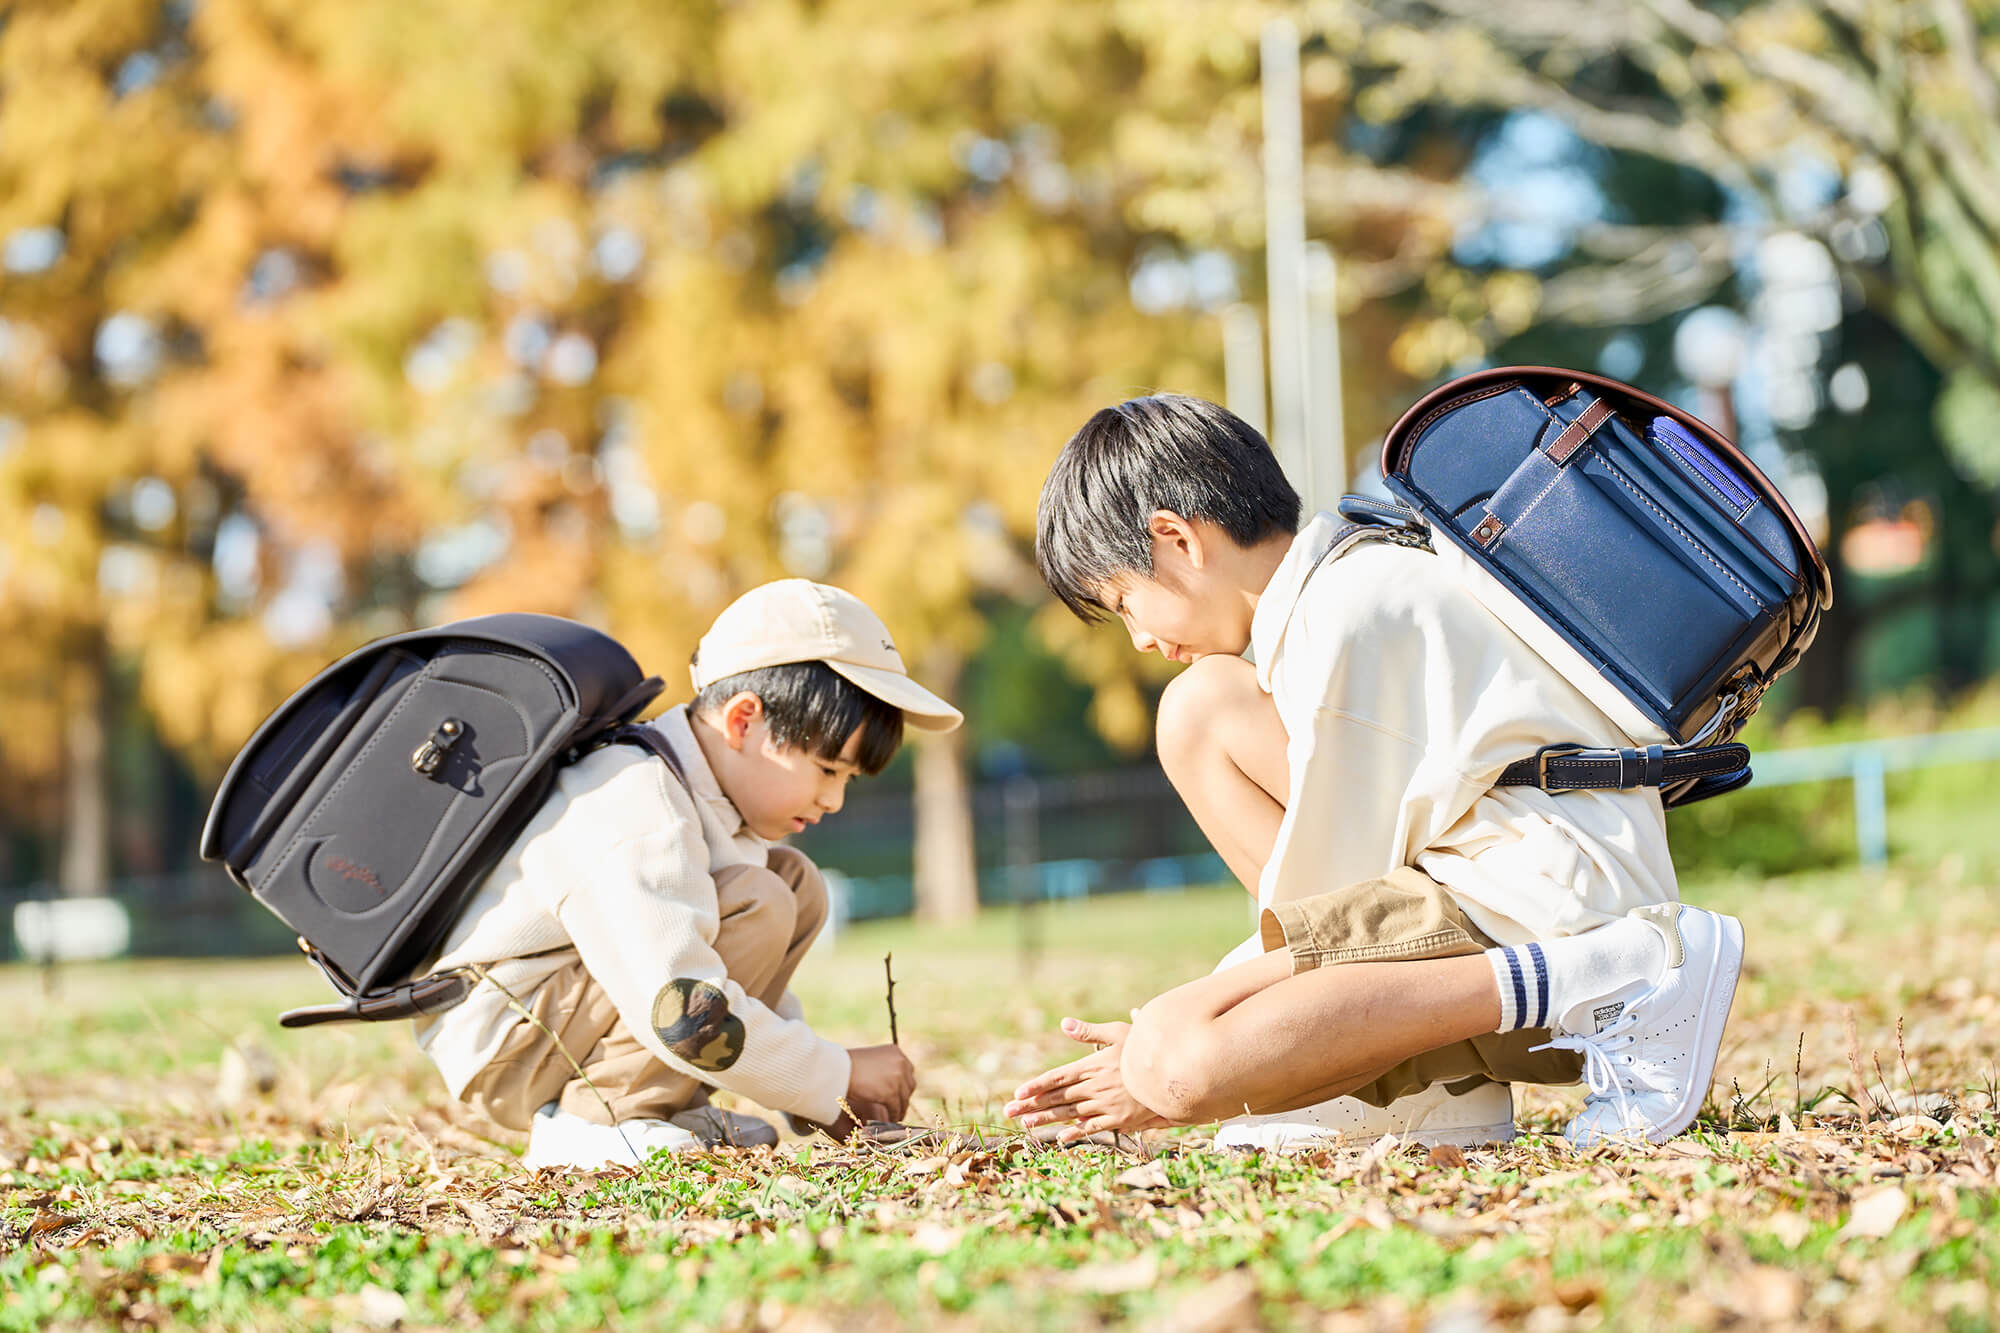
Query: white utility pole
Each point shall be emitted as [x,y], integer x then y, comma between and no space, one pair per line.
[1284,251]
[1326,445]
[1243,365]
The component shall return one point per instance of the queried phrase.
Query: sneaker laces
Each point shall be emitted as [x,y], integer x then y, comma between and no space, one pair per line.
[1602,1052]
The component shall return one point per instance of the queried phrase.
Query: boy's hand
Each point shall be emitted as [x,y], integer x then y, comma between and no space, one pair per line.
[882,1080]
[1091,1091]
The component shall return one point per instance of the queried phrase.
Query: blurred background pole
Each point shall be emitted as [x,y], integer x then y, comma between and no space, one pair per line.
[1284,249]
[1326,444]
[1709,347]
[1243,365]
[1018,802]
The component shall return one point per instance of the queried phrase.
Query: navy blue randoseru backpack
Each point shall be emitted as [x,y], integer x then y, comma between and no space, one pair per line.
[1629,543]
[365,810]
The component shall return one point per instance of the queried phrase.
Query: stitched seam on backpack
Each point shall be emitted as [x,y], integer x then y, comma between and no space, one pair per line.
[1409,446]
[498,650]
[1588,435]
[297,838]
[1507,525]
[430,843]
[1684,534]
[1561,467]
[1740,513]
[428,674]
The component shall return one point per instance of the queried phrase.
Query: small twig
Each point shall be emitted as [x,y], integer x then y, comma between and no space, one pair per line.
[1894,1110]
[888,972]
[1799,1078]
[1871,1107]
[512,1003]
[1903,1053]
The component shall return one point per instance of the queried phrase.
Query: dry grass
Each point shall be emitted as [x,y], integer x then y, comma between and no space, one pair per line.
[1843,1177]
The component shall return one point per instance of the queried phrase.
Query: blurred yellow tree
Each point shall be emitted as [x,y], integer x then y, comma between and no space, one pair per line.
[369,314]
[180,481]
[103,149]
[717,297]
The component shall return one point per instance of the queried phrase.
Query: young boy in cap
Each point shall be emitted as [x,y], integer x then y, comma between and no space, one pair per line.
[651,926]
[1431,937]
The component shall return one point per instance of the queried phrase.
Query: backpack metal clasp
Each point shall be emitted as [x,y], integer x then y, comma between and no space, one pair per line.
[431,753]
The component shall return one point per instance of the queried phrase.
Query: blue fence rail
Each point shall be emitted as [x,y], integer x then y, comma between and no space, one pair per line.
[1865,763]
[1038,840]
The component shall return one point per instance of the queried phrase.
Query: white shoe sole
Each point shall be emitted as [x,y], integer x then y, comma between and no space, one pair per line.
[1724,969]
[1305,1139]
[1412,1125]
[1724,972]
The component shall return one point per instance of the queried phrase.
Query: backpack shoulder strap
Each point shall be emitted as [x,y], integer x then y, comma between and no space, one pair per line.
[1369,519]
[649,739]
[1366,519]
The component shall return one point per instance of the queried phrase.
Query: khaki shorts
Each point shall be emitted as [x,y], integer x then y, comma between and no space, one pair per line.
[1403,916]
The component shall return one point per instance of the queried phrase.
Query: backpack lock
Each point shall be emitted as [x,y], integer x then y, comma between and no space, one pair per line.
[432,752]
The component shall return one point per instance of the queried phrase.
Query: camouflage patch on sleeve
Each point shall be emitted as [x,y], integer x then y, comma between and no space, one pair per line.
[693,1020]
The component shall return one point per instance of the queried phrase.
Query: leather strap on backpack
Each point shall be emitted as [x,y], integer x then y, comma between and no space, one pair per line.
[415,999]
[1560,768]
[650,740]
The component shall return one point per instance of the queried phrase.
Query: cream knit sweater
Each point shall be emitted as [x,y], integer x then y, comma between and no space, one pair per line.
[616,867]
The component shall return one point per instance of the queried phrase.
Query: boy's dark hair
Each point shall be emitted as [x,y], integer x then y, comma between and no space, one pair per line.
[1167,451]
[811,707]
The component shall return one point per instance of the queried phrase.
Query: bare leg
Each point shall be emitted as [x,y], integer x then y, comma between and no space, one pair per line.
[1257,1036]
[1223,748]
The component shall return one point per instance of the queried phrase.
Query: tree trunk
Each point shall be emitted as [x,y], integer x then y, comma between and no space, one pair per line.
[86,846]
[947,872]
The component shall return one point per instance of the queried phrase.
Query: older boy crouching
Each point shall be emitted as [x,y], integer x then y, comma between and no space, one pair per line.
[1428,938]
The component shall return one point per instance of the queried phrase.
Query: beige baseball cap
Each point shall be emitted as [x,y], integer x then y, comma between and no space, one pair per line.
[797,620]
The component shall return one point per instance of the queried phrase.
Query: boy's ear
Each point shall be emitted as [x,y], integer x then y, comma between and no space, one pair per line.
[742,709]
[1178,534]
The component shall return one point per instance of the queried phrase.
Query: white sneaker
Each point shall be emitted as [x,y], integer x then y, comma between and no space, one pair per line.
[717,1128]
[1485,1114]
[558,1138]
[1649,1053]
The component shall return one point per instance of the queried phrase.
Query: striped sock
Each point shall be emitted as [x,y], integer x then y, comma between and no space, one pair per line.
[1522,972]
[1555,983]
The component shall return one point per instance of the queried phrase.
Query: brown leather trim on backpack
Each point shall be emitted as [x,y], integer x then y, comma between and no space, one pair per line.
[1396,444]
[1578,432]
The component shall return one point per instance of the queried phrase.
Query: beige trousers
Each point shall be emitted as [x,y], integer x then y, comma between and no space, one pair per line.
[769,918]
[1408,915]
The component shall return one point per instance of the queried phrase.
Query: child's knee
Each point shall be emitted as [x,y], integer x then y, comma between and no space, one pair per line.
[759,912]
[1167,1071]
[807,886]
[1210,689]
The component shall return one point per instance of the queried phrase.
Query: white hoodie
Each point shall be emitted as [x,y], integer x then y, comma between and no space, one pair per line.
[1403,697]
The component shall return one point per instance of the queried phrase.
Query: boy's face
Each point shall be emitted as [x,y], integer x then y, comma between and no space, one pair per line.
[1190,606]
[1163,619]
[779,790]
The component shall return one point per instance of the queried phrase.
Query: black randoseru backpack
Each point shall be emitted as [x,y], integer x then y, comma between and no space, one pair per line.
[366,809]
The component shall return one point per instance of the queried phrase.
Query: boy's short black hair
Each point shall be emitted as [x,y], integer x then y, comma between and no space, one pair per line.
[1166,451]
[811,707]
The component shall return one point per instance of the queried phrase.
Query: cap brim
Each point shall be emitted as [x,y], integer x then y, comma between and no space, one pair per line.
[921,708]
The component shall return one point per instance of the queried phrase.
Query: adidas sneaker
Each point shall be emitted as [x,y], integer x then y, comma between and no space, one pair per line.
[1649,1049]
